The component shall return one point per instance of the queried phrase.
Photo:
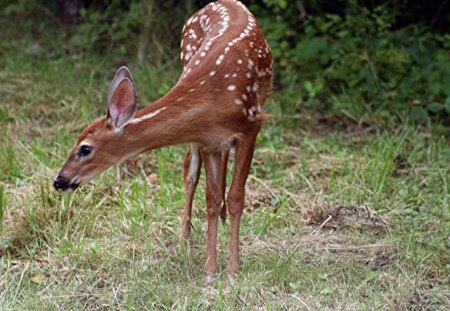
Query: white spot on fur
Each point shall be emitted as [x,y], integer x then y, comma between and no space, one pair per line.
[220,59]
[251,114]
[192,34]
[231,88]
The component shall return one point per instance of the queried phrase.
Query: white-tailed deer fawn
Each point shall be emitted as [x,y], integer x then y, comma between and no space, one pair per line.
[215,106]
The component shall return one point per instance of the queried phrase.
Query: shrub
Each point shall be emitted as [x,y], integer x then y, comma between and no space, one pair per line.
[366,61]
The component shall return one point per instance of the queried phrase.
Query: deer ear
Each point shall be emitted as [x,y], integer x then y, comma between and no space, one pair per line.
[122,104]
[122,72]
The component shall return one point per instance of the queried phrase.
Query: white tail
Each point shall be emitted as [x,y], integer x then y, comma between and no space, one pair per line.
[215,106]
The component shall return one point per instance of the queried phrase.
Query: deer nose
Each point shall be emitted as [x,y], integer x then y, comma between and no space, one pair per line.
[61,183]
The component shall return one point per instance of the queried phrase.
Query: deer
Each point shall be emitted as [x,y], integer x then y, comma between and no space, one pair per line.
[215,106]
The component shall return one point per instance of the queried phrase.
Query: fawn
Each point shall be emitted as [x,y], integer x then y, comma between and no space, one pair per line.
[215,106]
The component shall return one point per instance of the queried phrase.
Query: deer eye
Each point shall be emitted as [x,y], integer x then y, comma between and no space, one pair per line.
[85,150]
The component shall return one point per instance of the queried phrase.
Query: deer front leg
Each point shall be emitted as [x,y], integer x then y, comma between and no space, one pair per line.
[214,198]
[235,198]
[192,165]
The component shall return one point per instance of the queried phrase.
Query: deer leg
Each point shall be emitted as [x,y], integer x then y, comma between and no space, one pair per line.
[192,165]
[235,198]
[214,196]
[223,211]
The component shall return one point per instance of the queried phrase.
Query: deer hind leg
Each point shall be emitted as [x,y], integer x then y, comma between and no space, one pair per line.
[192,166]
[223,211]
[235,199]
[213,162]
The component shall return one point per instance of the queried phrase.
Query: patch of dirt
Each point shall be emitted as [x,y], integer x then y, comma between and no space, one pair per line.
[381,255]
[344,217]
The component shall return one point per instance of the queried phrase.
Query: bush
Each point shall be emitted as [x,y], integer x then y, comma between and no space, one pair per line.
[366,61]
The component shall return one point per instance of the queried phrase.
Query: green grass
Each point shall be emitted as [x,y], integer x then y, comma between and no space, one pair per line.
[352,218]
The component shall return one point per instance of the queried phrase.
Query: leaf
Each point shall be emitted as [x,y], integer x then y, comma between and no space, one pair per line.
[38,278]
[309,86]
[418,114]
[435,107]
[164,89]
[282,3]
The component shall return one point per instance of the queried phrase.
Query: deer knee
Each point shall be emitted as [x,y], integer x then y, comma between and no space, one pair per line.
[235,202]
[214,204]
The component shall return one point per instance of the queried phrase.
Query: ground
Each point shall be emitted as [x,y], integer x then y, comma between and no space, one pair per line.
[337,217]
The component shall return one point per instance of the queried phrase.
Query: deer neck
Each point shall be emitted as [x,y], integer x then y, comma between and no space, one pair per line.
[176,118]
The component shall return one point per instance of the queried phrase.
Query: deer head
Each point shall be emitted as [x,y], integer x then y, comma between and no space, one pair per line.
[97,147]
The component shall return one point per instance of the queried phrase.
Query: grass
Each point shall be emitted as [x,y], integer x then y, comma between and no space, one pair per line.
[336,218]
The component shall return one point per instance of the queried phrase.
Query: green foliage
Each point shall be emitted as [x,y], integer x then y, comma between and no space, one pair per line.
[356,64]
[373,62]
[113,27]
